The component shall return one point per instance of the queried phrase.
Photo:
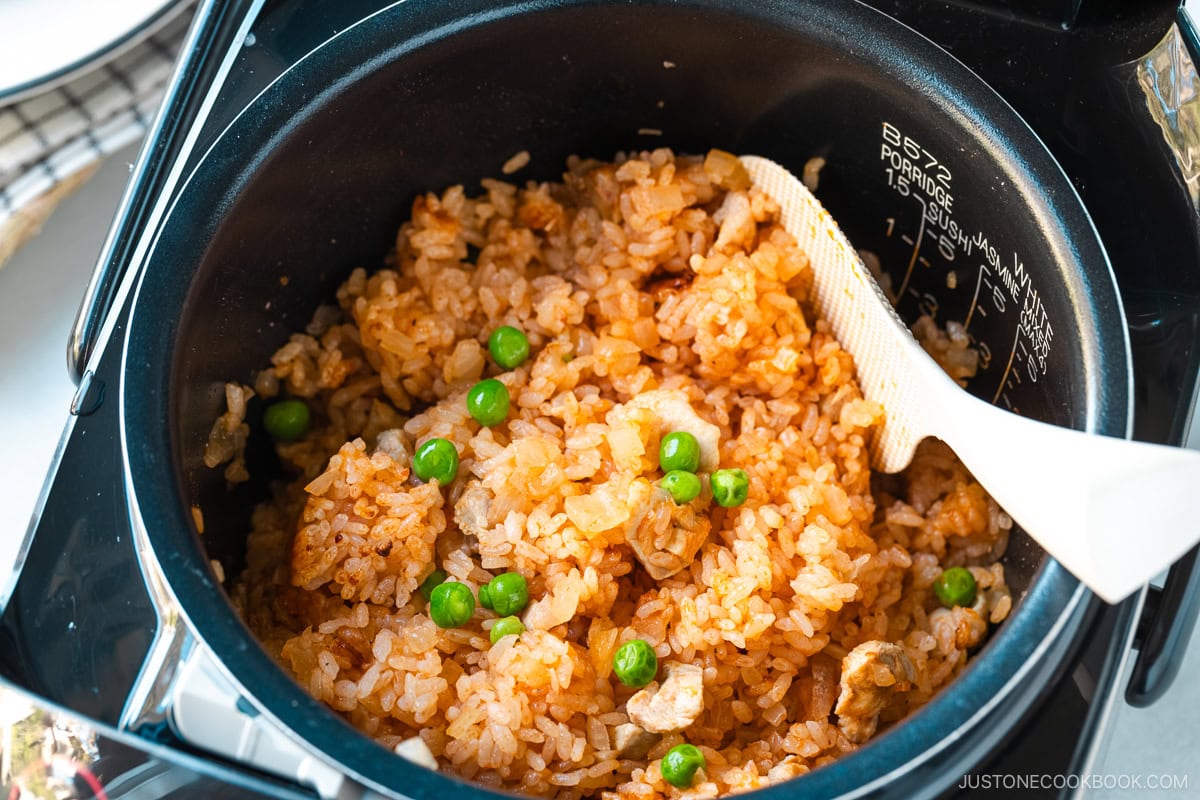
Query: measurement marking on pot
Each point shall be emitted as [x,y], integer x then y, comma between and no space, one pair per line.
[1002,277]
[974,298]
[1007,368]
[916,246]
[1035,322]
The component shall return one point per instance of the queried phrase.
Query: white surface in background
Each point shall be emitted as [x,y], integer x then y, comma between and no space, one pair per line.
[39,38]
[1192,7]
[39,292]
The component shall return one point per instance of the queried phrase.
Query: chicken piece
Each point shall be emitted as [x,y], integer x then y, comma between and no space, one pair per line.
[632,742]
[790,767]
[812,173]
[674,705]
[558,606]
[675,413]
[472,509]
[960,627]
[394,443]
[737,223]
[665,536]
[872,675]
[416,751]
[227,440]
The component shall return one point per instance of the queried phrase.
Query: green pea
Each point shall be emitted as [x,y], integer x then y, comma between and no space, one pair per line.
[286,420]
[684,487]
[451,604]
[509,593]
[488,402]
[679,450]
[507,626]
[730,487]
[955,587]
[680,764]
[485,597]
[509,347]
[437,458]
[435,579]
[635,663]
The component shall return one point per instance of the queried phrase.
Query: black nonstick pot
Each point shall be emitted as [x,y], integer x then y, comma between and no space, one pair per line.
[925,167]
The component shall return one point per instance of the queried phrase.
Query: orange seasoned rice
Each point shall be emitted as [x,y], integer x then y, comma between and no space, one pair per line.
[656,291]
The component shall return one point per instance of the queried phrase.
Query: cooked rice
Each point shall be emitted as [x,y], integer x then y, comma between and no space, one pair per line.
[653,272]
[516,163]
[811,174]
[227,440]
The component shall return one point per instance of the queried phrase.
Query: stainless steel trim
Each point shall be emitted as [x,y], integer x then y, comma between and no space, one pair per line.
[1189,35]
[1103,728]
[93,324]
[179,677]
[171,640]
[148,702]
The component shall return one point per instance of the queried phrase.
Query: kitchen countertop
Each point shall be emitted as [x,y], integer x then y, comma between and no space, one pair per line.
[40,290]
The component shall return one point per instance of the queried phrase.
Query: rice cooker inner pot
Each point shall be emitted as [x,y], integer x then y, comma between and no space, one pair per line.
[925,167]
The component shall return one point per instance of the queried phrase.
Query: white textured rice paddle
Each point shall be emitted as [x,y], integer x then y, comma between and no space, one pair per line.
[1113,512]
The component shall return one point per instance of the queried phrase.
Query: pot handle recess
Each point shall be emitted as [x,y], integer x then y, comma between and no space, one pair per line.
[215,21]
[1166,626]
[1170,613]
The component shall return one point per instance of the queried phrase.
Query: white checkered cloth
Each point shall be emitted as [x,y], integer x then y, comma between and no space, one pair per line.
[47,139]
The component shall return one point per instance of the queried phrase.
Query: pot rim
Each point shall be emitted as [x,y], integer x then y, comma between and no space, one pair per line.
[1038,631]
